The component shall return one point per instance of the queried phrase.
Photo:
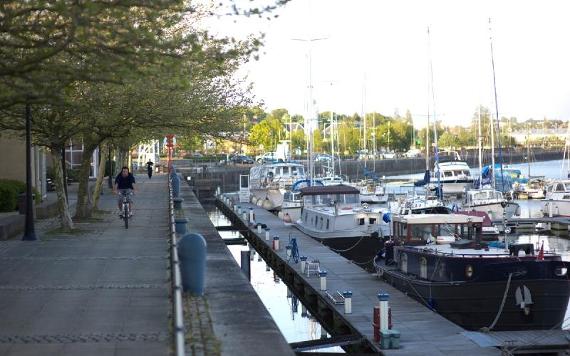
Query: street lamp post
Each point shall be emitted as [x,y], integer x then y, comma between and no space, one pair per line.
[29,232]
[110,181]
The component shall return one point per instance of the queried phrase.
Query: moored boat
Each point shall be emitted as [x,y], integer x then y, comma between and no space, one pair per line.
[471,284]
[334,215]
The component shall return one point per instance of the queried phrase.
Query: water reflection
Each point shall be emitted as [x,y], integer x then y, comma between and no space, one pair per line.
[291,316]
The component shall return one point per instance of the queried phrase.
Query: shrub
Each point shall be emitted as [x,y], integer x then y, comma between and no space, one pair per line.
[73,175]
[9,191]
[8,198]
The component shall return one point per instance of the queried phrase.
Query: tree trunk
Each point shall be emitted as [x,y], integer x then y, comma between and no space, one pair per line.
[100,175]
[84,200]
[63,208]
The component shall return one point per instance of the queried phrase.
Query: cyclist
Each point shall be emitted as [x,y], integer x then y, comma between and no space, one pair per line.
[124,184]
[149,165]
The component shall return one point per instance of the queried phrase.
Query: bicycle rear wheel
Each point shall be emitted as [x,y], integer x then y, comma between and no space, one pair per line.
[126,215]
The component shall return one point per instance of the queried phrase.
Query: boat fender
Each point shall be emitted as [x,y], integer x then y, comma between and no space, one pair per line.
[523,299]
[387,218]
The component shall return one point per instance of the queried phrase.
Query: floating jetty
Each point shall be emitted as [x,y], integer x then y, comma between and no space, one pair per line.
[422,331]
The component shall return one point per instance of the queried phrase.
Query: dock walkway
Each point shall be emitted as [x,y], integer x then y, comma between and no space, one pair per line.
[423,332]
[240,323]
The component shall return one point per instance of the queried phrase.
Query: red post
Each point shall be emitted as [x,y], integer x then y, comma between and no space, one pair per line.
[169,145]
[376,323]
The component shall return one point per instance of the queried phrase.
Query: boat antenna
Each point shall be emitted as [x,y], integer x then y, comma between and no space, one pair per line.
[435,149]
[480,144]
[496,109]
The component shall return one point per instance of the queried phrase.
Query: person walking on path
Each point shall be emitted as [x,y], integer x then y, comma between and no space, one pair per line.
[149,165]
[124,184]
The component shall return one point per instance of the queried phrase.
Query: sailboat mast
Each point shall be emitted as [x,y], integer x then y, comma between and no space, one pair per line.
[528,147]
[496,109]
[480,144]
[364,137]
[332,141]
[435,151]
[492,128]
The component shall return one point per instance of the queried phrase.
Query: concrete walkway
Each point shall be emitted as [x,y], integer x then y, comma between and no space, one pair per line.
[102,291]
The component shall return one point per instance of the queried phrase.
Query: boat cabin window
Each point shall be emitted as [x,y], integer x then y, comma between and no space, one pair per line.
[327,224]
[457,173]
[447,174]
[297,171]
[361,221]
[372,221]
[421,233]
[560,187]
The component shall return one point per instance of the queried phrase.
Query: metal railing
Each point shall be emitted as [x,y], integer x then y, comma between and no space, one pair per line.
[178,317]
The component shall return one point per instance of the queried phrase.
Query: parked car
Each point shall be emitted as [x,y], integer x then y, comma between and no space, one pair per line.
[323,157]
[267,157]
[241,159]
[413,153]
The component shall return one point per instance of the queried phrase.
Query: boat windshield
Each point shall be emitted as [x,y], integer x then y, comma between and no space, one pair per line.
[331,199]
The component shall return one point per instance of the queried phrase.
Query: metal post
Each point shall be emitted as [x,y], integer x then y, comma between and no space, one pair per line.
[29,233]
[245,265]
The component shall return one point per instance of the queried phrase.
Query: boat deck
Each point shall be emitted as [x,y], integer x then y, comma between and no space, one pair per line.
[423,332]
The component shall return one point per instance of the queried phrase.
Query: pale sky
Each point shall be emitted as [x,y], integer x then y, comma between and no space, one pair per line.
[380,48]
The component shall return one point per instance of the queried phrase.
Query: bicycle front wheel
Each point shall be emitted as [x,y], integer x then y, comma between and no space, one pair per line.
[126,215]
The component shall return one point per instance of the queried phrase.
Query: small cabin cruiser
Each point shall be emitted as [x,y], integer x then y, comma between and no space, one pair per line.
[490,201]
[334,215]
[269,182]
[557,199]
[520,287]
[454,174]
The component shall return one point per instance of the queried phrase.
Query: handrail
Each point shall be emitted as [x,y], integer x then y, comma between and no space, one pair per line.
[178,322]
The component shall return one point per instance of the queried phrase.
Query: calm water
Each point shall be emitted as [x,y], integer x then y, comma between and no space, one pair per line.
[294,321]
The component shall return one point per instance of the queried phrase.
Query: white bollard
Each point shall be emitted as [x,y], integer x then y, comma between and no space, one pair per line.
[383,300]
[276,243]
[347,301]
[303,264]
[259,228]
[251,216]
[323,275]
[244,216]
[267,236]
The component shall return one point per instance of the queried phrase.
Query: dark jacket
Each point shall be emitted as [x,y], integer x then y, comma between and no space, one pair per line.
[125,182]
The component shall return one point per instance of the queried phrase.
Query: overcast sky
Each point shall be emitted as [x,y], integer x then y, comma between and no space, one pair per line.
[375,56]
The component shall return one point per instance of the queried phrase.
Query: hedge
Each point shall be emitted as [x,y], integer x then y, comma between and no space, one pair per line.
[9,192]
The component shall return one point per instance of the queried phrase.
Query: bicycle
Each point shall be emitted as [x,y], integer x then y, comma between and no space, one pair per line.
[126,207]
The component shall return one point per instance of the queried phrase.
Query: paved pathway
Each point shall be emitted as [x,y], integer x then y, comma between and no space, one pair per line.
[103,291]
